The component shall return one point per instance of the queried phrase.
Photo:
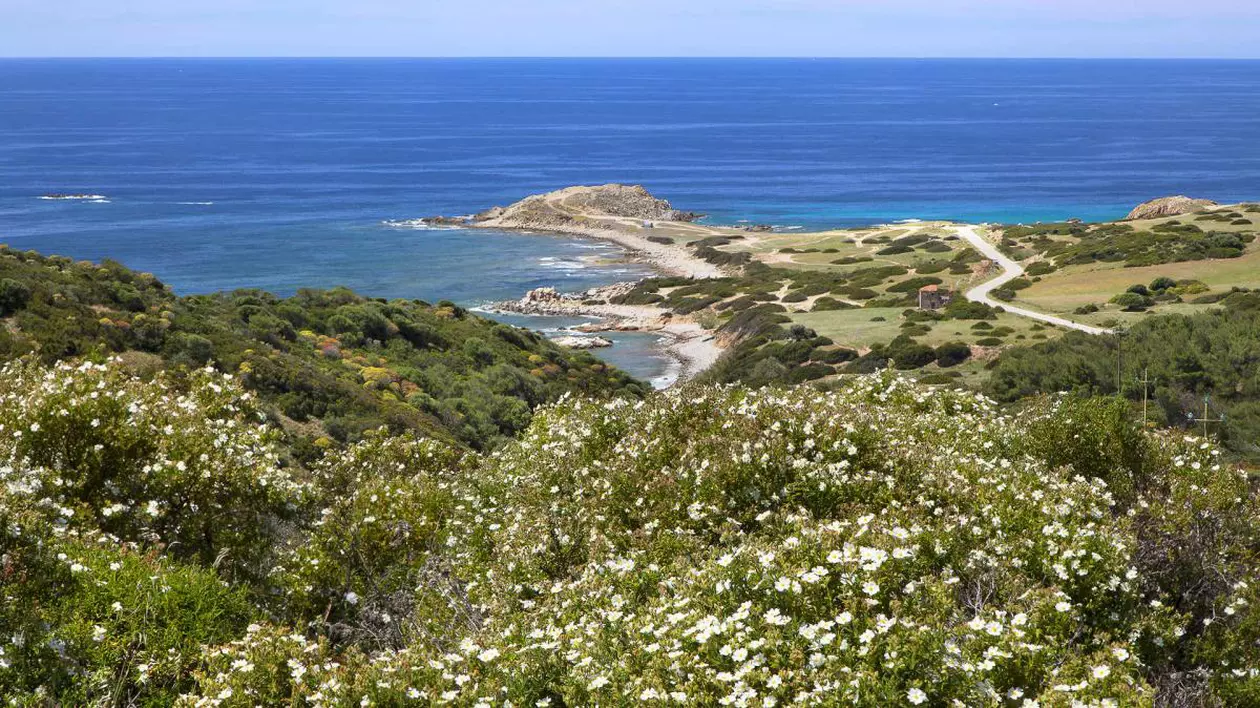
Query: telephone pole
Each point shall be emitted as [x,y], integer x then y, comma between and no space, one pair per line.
[1120,361]
[1207,416]
[1146,381]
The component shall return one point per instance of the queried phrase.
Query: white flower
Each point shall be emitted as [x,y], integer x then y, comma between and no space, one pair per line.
[1120,653]
[844,617]
[870,587]
[916,696]
[776,618]
[598,683]
[352,598]
[1064,607]
[488,655]
[98,633]
[1101,672]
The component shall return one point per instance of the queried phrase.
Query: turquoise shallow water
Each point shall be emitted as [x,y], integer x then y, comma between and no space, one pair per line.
[278,173]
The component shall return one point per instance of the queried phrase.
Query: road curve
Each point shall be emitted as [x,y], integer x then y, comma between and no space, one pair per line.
[1010,271]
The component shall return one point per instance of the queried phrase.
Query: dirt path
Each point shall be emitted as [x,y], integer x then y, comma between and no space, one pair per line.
[1010,271]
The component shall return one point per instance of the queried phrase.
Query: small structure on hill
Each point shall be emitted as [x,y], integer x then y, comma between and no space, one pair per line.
[934,297]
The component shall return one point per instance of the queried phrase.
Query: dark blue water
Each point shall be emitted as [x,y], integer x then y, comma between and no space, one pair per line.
[302,159]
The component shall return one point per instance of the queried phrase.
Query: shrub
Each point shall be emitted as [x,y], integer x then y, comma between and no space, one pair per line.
[147,463]
[13,296]
[952,354]
[1132,301]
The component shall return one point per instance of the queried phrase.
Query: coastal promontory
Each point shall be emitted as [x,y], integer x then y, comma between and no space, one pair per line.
[1168,206]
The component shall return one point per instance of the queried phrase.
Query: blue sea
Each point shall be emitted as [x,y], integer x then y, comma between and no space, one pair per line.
[278,174]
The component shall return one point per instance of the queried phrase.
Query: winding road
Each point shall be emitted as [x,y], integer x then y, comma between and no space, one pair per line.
[1011,270]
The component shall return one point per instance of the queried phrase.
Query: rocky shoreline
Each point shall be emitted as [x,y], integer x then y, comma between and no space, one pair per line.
[631,218]
[691,346]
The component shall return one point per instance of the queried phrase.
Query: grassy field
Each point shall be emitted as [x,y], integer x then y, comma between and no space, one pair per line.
[1096,283]
[862,328]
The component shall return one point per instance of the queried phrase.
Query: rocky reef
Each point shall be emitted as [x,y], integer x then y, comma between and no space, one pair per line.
[1169,206]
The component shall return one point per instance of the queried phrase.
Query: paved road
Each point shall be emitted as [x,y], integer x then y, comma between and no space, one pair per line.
[1011,270]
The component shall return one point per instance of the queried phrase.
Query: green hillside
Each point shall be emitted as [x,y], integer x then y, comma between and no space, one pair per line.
[328,364]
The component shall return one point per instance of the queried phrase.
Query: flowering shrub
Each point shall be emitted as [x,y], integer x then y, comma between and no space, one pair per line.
[880,544]
[102,624]
[371,567]
[91,448]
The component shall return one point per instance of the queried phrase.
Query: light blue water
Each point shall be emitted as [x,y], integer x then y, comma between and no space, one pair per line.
[302,159]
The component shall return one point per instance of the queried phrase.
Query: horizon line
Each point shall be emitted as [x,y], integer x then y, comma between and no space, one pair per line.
[788,57]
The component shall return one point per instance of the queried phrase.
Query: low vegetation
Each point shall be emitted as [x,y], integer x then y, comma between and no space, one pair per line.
[329,365]
[880,544]
[1187,357]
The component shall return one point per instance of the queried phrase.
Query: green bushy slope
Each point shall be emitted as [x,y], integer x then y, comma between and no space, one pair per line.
[882,544]
[330,364]
[1185,358]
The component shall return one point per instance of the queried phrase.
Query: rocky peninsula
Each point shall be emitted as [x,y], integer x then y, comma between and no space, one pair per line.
[649,229]
[628,216]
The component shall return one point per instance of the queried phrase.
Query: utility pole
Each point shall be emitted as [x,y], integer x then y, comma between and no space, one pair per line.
[1146,381]
[1206,416]
[1119,361]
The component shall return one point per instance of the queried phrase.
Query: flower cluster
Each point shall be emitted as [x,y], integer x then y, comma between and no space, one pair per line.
[884,544]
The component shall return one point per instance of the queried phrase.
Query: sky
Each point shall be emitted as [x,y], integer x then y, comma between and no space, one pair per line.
[683,28]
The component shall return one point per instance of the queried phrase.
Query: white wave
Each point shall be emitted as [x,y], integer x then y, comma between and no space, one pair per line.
[908,221]
[75,197]
[556,264]
[196,203]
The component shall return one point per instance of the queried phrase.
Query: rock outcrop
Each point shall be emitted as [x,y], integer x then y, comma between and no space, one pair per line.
[566,208]
[573,342]
[1169,206]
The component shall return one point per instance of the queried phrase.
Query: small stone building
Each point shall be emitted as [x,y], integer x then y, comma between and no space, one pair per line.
[934,297]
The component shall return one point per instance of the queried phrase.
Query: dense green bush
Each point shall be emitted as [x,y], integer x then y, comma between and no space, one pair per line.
[1188,357]
[882,543]
[333,362]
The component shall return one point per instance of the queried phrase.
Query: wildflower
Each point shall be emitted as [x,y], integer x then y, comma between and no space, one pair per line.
[916,696]
[598,683]
[774,617]
[1101,672]
[870,587]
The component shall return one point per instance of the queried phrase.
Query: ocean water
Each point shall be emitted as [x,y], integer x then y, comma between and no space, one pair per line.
[278,173]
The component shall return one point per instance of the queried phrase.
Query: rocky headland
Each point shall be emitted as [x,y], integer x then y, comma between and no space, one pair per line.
[1168,206]
[649,229]
[627,215]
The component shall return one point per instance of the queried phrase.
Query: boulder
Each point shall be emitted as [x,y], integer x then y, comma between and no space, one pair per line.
[571,342]
[1169,206]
